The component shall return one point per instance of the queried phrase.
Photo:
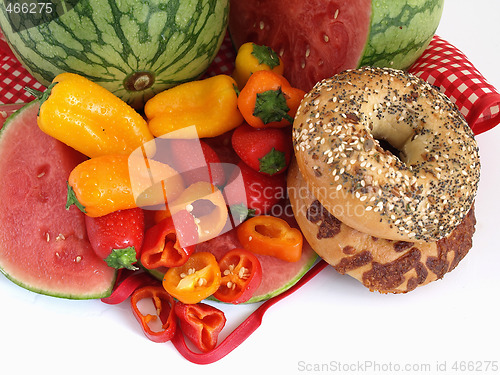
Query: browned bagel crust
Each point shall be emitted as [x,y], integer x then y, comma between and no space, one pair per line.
[386,266]
[421,194]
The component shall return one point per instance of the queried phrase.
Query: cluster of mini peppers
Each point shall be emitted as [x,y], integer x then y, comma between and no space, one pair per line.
[95,122]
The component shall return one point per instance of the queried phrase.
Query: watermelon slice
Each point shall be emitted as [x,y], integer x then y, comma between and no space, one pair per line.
[319,38]
[277,275]
[43,246]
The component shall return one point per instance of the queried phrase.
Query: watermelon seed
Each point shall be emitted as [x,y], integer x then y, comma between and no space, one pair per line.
[78,259]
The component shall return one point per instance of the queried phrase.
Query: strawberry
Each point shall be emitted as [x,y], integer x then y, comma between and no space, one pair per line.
[117,237]
[261,191]
[266,150]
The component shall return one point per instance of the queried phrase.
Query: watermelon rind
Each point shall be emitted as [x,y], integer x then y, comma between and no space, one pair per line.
[10,121]
[31,288]
[400,31]
[264,297]
[134,49]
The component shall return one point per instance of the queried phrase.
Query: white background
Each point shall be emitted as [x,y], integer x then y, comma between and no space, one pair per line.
[332,320]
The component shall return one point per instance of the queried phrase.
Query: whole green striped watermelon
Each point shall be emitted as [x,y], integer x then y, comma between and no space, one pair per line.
[134,48]
[319,38]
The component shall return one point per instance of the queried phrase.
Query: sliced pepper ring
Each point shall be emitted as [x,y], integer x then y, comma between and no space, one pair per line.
[195,280]
[201,323]
[241,274]
[164,305]
[170,242]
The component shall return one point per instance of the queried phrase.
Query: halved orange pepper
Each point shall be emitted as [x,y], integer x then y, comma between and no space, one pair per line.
[268,100]
[210,105]
[205,203]
[270,235]
[89,118]
[251,58]
[102,185]
[195,280]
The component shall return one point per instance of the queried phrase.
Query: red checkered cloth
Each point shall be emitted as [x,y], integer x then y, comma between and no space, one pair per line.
[446,67]
[441,65]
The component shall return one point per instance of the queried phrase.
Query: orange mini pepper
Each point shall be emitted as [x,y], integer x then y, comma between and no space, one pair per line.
[268,100]
[198,278]
[270,235]
[89,118]
[102,185]
[210,105]
[251,58]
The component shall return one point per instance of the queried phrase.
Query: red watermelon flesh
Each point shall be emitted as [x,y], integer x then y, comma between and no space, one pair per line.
[43,246]
[314,37]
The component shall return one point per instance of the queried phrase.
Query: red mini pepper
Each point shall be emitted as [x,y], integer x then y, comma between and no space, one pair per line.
[164,305]
[241,274]
[201,324]
[170,242]
[268,100]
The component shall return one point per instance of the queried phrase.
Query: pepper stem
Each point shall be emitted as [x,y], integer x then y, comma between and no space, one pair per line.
[73,200]
[42,96]
[271,106]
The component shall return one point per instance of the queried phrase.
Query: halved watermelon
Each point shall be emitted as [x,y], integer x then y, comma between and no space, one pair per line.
[319,38]
[43,246]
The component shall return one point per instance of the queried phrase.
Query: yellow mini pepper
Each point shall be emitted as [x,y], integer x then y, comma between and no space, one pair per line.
[210,105]
[251,58]
[89,118]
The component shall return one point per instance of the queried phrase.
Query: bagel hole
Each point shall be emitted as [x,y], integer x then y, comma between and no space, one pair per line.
[389,148]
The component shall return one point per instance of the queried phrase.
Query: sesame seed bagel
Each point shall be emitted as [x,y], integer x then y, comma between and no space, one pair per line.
[386,266]
[420,192]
